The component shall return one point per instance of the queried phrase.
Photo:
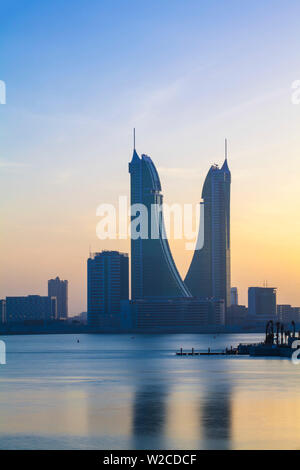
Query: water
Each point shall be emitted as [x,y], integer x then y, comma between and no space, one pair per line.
[120,392]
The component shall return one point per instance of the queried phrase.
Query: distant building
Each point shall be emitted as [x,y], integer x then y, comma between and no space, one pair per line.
[296,314]
[2,311]
[287,313]
[262,301]
[236,315]
[172,314]
[59,289]
[107,286]
[234,297]
[31,308]
[80,318]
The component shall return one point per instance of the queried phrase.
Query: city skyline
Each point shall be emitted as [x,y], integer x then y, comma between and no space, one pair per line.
[116,243]
[66,130]
[144,176]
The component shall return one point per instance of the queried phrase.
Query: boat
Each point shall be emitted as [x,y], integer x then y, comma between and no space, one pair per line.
[276,344]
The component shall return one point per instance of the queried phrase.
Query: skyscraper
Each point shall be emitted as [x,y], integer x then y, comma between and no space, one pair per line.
[59,289]
[209,273]
[153,271]
[107,285]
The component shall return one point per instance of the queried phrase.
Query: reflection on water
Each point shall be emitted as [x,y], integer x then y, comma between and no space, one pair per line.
[215,415]
[112,391]
[149,416]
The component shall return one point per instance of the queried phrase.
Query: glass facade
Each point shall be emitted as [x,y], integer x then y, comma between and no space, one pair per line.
[209,273]
[262,301]
[153,271]
[30,308]
[107,275]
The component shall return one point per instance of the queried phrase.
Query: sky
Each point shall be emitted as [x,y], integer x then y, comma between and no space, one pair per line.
[80,74]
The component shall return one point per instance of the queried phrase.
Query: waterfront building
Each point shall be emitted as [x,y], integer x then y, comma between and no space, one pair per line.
[153,271]
[172,314]
[236,315]
[287,313]
[209,272]
[107,286]
[59,289]
[32,308]
[262,301]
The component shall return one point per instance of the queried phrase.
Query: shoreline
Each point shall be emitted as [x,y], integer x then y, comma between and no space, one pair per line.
[79,331]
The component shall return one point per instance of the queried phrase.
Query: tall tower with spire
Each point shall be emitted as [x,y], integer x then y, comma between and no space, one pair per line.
[153,271]
[209,272]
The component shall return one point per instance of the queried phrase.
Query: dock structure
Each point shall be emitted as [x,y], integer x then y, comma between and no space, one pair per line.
[227,352]
[281,343]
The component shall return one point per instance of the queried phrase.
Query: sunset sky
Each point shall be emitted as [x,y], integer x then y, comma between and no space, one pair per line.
[186,74]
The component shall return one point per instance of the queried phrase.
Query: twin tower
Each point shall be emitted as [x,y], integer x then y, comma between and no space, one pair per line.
[153,270]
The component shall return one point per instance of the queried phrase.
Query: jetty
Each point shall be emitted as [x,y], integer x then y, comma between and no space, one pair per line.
[193,352]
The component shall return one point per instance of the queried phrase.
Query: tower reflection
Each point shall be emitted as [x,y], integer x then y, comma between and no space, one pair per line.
[149,415]
[215,414]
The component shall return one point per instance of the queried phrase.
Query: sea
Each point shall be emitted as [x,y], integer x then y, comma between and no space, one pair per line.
[108,391]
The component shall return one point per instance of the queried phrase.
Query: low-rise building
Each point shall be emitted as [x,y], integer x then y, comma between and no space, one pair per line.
[236,315]
[286,313]
[30,308]
[171,313]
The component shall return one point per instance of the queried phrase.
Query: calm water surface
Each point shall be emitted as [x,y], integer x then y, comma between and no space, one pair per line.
[120,392]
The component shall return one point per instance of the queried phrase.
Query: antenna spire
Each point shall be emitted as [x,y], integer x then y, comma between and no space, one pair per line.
[134,138]
[225,149]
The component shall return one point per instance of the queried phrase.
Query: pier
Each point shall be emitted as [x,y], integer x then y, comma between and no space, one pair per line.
[227,352]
